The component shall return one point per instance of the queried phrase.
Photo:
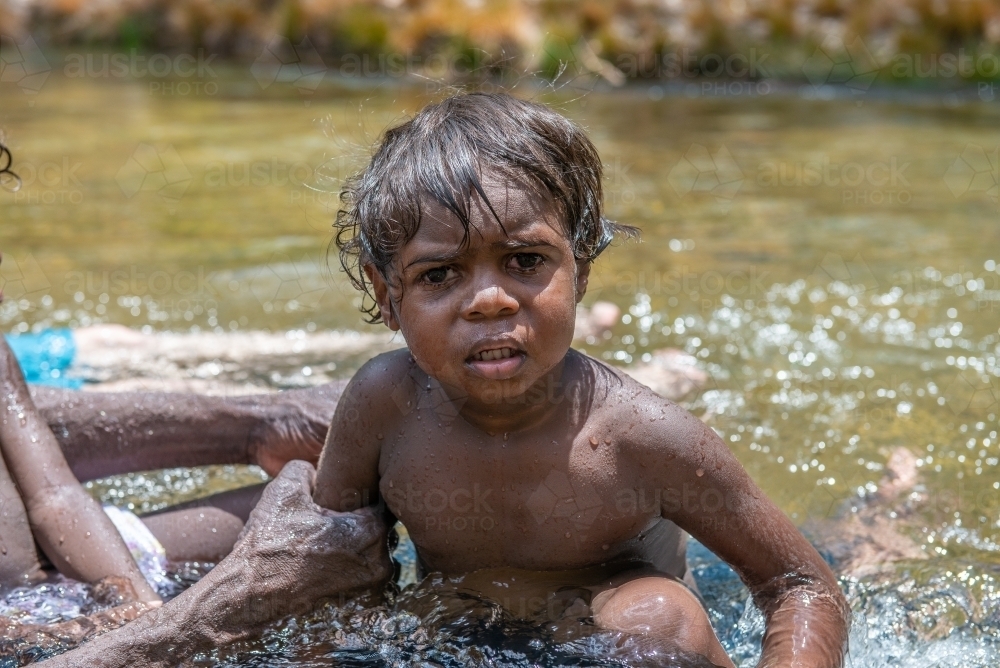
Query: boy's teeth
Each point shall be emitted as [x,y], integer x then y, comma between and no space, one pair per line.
[495,354]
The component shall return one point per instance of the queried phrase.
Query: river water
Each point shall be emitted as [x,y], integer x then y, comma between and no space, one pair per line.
[832,261]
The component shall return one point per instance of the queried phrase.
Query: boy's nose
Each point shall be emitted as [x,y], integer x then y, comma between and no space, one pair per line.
[489,301]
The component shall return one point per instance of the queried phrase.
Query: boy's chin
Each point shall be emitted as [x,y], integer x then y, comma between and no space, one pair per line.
[498,370]
[522,390]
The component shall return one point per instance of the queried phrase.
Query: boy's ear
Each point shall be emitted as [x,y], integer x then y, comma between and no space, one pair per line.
[382,297]
[582,278]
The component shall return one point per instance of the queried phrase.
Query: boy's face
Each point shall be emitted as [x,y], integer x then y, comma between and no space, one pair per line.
[493,318]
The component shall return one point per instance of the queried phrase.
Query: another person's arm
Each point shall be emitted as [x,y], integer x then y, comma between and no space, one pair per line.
[105,434]
[709,494]
[292,555]
[69,525]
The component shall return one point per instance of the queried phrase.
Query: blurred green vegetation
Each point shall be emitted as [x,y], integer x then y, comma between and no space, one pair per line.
[852,42]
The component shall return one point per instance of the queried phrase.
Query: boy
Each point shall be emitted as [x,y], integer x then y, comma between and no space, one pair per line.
[496,444]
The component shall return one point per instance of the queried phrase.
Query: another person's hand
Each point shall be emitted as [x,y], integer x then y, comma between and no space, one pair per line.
[293,553]
[291,556]
[297,430]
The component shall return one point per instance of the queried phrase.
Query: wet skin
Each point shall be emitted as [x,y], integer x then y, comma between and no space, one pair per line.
[69,525]
[105,433]
[500,448]
[292,556]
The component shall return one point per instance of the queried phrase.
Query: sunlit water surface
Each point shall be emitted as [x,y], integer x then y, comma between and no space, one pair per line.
[832,264]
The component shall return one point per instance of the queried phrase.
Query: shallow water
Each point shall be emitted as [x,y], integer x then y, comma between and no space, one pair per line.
[832,264]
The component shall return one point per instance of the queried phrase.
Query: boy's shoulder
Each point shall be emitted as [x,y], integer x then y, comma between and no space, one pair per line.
[611,388]
[382,385]
[385,367]
[643,421]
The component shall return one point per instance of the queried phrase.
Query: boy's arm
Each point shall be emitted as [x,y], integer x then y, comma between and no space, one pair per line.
[707,493]
[107,433]
[348,472]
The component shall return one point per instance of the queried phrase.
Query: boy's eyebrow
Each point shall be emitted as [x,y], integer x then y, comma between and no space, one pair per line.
[508,244]
[434,259]
[522,242]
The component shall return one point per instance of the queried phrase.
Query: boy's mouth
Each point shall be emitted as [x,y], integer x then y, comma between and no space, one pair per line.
[497,363]
[494,354]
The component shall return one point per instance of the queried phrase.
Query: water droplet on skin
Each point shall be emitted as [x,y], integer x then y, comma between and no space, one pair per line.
[607,441]
[567,534]
[593,442]
[505,436]
[700,472]
[379,436]
[390,483]
[605,546]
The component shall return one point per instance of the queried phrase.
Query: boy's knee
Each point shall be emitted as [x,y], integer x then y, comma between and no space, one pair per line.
[649,605]
[663,608]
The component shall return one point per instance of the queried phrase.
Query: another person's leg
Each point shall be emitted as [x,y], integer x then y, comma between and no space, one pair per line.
[205,529]
[69,525]
[18,556]
[661,607]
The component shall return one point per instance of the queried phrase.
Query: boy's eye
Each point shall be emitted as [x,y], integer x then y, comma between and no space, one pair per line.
[437,275]
[527,261]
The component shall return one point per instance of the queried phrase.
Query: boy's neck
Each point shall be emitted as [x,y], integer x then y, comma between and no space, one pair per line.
[518,413]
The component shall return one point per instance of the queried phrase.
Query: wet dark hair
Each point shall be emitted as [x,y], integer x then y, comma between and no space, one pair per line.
[440,154]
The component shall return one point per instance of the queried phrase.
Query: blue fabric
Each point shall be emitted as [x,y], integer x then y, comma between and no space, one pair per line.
[45,357]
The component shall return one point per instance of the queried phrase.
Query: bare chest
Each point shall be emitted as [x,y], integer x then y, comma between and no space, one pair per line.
[472,501]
